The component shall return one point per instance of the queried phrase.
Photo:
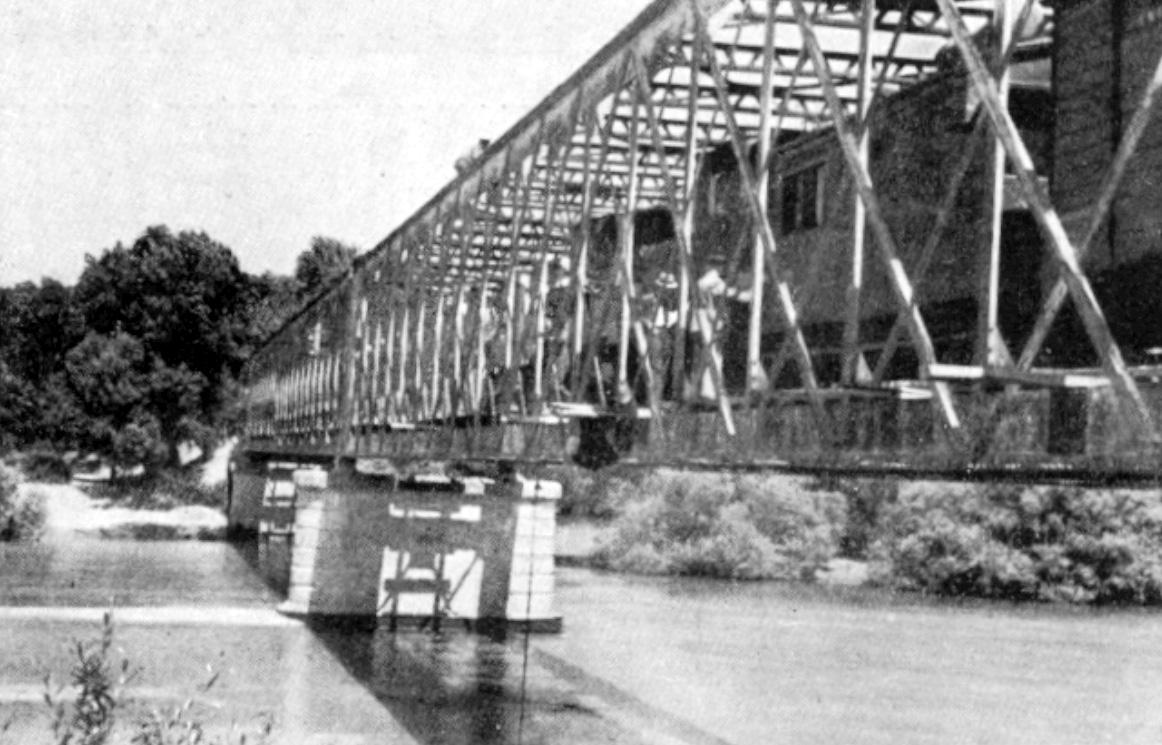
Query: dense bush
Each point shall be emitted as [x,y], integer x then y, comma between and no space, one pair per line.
[1043,543]
[721,525]
[22,511]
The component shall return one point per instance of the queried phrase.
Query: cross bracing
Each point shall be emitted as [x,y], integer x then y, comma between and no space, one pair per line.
[734,203]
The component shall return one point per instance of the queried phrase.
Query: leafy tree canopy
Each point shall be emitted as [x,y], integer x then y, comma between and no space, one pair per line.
[144,353]
[322,264]
[169,322]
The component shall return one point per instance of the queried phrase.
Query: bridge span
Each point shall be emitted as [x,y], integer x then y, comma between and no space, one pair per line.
[881,236]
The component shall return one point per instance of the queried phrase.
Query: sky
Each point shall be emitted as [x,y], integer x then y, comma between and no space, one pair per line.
[262,123]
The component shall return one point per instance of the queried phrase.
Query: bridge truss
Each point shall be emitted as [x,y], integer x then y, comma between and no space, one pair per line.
[479,330]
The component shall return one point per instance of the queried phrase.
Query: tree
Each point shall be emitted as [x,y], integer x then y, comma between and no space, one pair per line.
[322,264]
[109,377]
[279,298]
[38,325]
[169,322]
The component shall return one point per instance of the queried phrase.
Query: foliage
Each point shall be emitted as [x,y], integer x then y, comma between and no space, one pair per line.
[101,682]
[44,467]
[1033,543]
[597,494]
[719,525]
[144,353]
[866,501]
[322,264]
[41,325]
[178,726]
[279,299]
[22,511]
[89,718]
[171,316]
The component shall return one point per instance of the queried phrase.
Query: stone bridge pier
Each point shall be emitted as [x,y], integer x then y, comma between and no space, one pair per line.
[366,542]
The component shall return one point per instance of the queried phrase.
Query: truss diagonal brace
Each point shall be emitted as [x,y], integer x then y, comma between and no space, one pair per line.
[1106,194]
[905,295]
[782,290]
[684,247]
[1046,216]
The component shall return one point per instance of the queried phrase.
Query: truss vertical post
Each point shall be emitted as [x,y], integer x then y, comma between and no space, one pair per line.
[625,239]
[685,238]
[990,347]
[581,261]
[853,363]
[496,197]
[519,216]
[404,328]
[783,290]
[467,217]
[685,229]
[755,378]
[422,313]
[344,411]
[553,186]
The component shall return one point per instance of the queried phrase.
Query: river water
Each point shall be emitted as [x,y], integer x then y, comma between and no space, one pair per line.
[641,660]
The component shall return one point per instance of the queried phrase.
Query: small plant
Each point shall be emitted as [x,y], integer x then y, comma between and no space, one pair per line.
[89,718]
[177,726]
[101,682]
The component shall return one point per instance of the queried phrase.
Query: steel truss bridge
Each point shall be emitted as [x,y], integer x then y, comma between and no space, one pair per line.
[515,317]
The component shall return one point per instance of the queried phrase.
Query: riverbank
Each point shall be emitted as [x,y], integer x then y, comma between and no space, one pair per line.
[70,509]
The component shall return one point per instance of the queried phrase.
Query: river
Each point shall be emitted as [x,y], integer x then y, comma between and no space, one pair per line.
[641,660]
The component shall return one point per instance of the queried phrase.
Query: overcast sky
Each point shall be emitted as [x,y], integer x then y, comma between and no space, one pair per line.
[262,122]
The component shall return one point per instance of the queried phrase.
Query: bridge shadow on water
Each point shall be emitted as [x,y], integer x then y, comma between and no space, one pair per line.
[458,686]
[269,560]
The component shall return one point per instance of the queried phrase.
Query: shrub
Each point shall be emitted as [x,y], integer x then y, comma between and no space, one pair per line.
[719,525]
[1042,543]
[22,511]
[89,718]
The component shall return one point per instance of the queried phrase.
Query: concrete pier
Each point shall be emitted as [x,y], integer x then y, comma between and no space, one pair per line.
[426,549]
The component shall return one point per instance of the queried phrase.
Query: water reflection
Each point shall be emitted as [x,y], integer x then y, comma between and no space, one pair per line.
[454,686]
[270,560]
[443,687]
